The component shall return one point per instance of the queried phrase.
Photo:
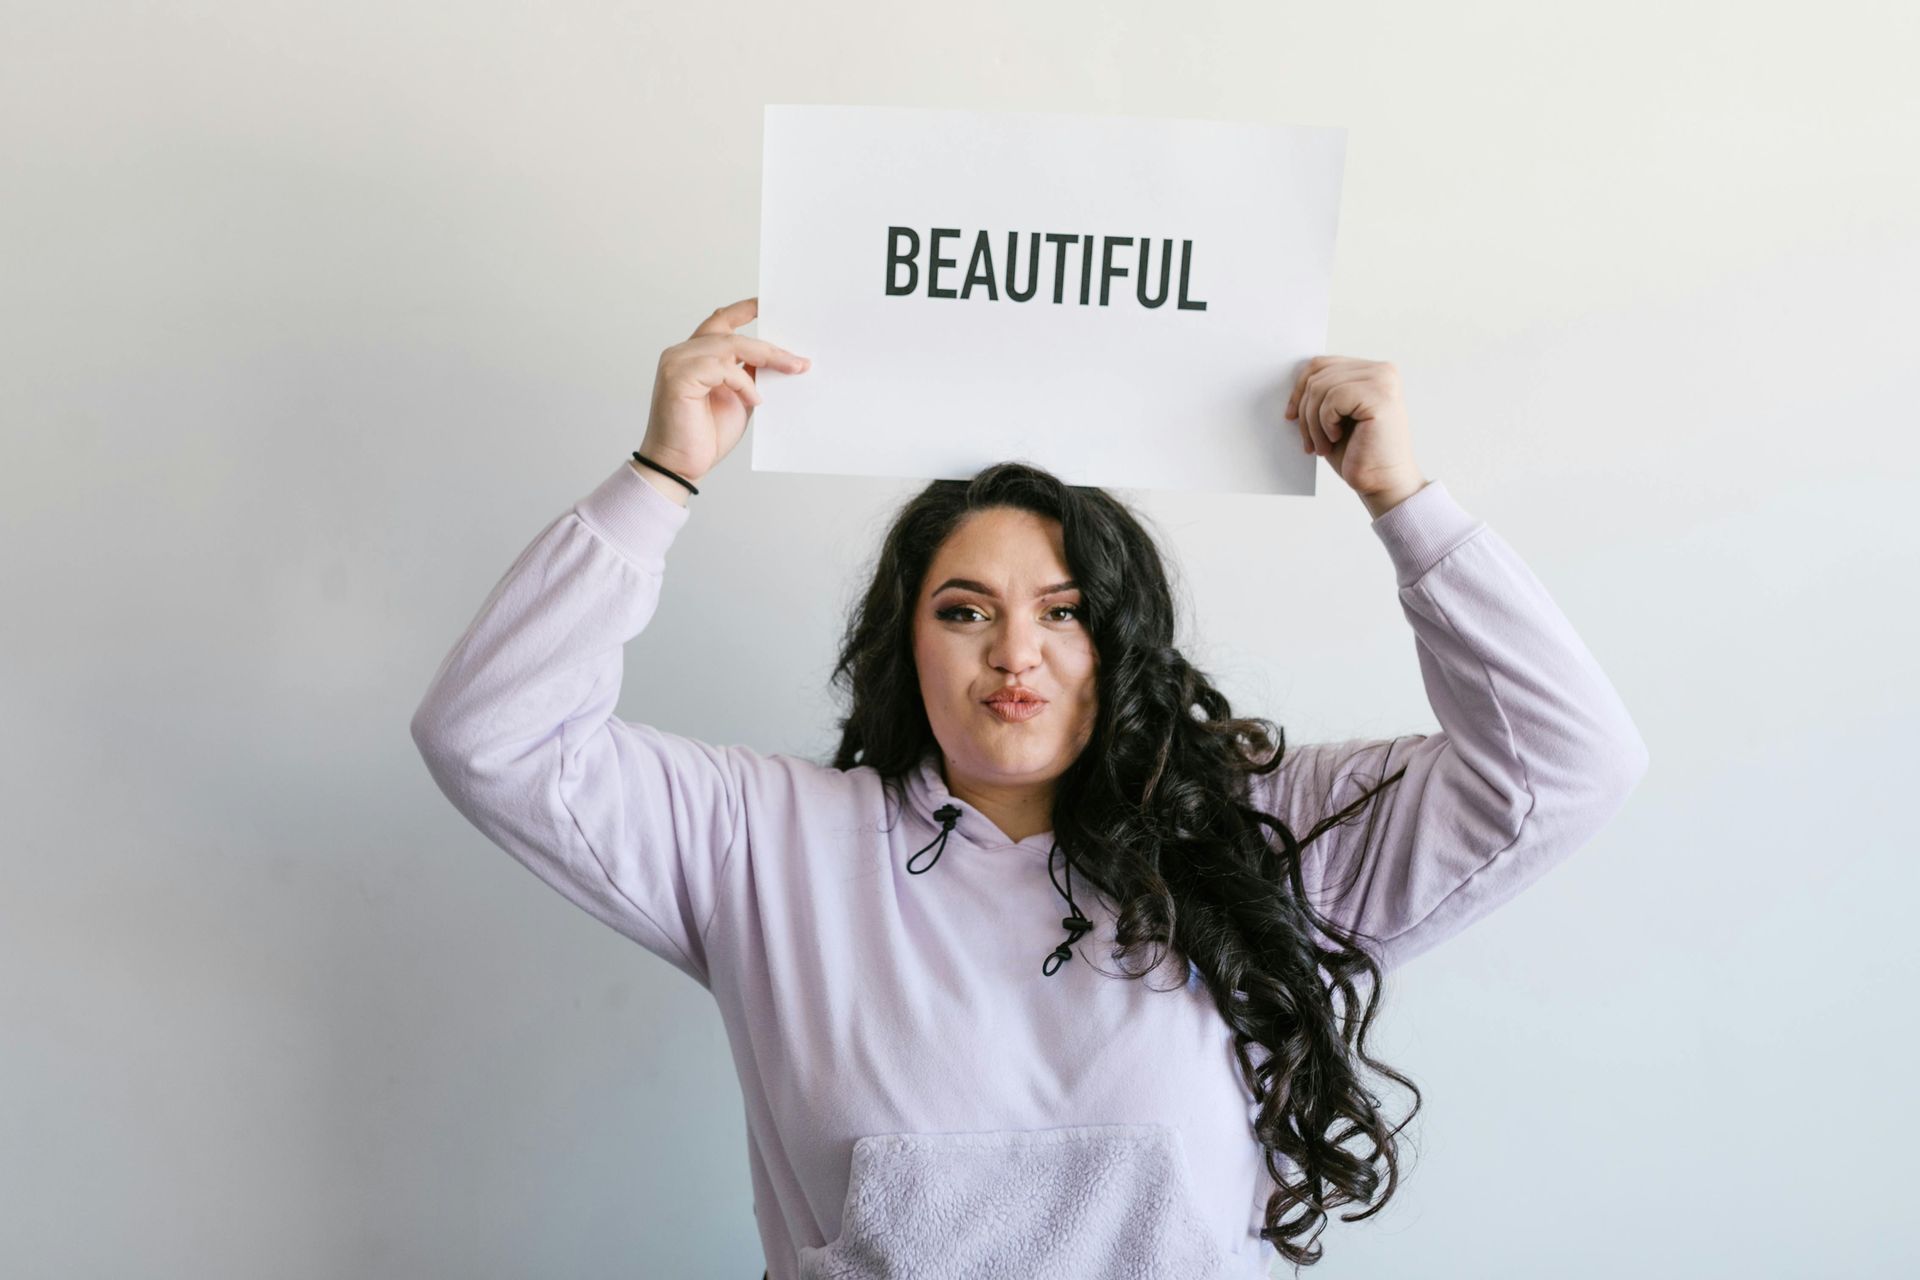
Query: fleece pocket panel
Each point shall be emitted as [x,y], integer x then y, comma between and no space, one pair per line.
[1112,1200]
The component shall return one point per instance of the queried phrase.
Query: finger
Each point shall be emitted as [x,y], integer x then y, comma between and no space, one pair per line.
[1300,387]
[1310,412]
[1318,437]
[730,317]
[756,351]
[1309,372]
[749,390]
[1336,399]
[705,372]
[1331,395]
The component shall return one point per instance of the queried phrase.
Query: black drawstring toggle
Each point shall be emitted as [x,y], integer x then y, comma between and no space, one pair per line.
[1076,925]
[948,815]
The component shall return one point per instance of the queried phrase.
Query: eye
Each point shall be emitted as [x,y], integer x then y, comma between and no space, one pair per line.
[949,613]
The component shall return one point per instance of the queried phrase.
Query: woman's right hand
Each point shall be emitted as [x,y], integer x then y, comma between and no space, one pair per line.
[704,391]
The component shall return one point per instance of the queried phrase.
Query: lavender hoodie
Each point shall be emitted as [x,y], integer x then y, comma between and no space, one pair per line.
[921,1100]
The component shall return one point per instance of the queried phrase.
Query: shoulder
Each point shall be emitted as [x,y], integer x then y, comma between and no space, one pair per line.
[805,788]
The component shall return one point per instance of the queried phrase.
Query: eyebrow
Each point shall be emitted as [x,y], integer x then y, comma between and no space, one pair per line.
[968,584]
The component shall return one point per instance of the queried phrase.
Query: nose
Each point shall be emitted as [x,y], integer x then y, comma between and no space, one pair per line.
[1016,644]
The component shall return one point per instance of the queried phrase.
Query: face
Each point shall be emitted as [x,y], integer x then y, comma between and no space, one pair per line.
[992,614]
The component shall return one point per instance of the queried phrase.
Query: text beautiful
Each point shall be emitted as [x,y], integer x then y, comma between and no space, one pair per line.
[981,272]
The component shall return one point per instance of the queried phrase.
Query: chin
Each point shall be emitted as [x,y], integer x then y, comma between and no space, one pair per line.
[1017,757]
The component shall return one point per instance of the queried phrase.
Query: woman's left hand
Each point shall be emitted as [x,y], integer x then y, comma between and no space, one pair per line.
[1349,412]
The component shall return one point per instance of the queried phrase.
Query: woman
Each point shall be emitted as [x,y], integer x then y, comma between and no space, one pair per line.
[925,1076]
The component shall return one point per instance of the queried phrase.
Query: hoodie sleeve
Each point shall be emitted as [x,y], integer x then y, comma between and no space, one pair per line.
[632,824]
[1535,751]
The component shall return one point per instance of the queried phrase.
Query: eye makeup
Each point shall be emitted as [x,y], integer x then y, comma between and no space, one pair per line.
[945,614]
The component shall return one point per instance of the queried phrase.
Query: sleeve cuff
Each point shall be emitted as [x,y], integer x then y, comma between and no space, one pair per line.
[636,518]
[1422,529]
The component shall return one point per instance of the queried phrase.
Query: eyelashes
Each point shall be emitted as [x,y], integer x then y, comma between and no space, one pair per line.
[947,613]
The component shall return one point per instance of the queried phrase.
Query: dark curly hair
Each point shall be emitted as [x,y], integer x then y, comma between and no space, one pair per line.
[1156,812]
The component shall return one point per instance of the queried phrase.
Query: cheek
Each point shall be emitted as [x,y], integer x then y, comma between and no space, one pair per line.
[937,659]
[1081,665]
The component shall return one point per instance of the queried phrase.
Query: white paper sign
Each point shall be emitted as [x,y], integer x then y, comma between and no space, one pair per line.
[1123,301]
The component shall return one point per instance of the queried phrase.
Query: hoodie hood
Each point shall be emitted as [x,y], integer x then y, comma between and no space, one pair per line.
[951,816]
[927,794]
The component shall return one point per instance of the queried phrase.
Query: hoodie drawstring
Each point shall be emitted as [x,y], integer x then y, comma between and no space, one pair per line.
[1076,925]
[948,815]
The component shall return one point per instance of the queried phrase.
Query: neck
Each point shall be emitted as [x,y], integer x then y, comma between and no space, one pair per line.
[1019,811]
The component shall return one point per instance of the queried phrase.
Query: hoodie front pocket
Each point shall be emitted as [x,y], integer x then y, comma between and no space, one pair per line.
[1111,1200]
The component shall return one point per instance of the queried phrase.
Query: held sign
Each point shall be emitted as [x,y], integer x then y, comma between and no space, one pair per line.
[1124,301]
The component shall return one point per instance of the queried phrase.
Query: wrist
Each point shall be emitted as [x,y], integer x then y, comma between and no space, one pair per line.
[668,487]
[671,459]
[1385,498]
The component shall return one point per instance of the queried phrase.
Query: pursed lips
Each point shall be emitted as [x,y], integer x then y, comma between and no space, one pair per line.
[1014,708]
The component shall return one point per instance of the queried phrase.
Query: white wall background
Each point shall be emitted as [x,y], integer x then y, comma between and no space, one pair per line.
[314,314]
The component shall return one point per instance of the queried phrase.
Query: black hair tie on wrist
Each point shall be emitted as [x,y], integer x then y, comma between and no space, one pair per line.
[649,462]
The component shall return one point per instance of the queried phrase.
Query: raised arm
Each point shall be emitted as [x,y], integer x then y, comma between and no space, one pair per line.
[631,823]
[635,825]
[1535,751]
[1534,754]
